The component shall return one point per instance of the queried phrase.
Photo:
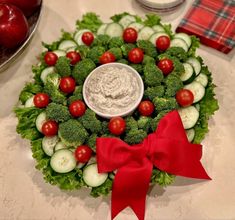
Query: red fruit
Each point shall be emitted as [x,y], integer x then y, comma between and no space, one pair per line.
[67,84]
[74,57]
[184,97]
[107,57]
[13,26]
[146,108]
[166,66]
[87,38]
[130,35]
[77,108]
[83,153]
[41,100]
[162,43]
[27,6]
[136,55]
[50,128]
[50,58]
[117,125]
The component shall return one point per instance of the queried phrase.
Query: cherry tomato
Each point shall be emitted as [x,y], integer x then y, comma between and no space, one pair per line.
[184,97]
[83,153]
[162,43]
[50,58]
[41,100]
[146,108]
[136,55]
[50,128]
[130,35]
[107,57]
[87,38]
[77,108]
[166,66]
[74,57]
[67,84]
[117,125]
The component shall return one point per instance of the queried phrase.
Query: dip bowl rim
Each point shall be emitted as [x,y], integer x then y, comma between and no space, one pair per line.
[133,107]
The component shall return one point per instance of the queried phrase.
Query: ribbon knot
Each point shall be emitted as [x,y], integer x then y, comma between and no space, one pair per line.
[167,149]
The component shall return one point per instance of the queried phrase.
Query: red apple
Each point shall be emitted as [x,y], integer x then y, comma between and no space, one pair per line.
[13,26]
[27,6]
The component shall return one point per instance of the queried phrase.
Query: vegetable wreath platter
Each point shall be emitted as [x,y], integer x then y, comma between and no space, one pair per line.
[63,130]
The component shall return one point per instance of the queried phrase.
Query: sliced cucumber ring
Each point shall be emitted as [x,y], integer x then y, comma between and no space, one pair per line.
[40,120]
[101,29]
[60,145]
[189,116]
[158,28]
[91,176]
[114,30]
[29,102]
[202,78]
[126,20]
[186,38]
[190,134]
[176,42]
[137,26]
[48,144]
[188,75]
[195,64]
[197,89]
[59,53]
[63,161]
[145,33]
[46,72]
[66,44]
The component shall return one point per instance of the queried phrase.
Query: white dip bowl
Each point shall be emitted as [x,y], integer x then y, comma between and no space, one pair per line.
[113,89]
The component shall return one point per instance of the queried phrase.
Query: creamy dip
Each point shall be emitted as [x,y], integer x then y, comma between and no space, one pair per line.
[112,90]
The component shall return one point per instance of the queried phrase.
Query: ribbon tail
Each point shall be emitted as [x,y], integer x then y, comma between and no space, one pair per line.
[130,187]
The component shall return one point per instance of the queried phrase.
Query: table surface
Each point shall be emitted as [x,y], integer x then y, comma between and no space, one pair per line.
[23,193]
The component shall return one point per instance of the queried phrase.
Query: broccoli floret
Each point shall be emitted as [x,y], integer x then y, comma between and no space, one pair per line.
[72,133]
[165,104]
[137,67]
[116,42]
[148,48]
[144,123]
[117,52]
[126,49]
[101,40]
[124,61]
[147,60]
[173,84]
[135,136]
[90,121]
[82,69]
[57,112]
[63,66]
[108,135]
[177,52]
[77,95]
[152,92]
[91,142]
[131,123]
[105,128]
[155,121]
[152,75]
[83,50]
[95,53]
[51,87]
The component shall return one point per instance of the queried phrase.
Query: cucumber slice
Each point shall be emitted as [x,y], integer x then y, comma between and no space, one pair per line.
[189,116]
[126,20]
[40,120]
[197,106]
[197,89]
[114,30]
[78,36]
[59,53]
[92,160]
[91,176]
[101,29]
[158,28]
[137,26]
[202,78]
[48,144]
[80,165]
[155,36]
[176,42]
[63,161]
[145,33]
[188,75]
[71,49]
[66,44]
[59,145]
[190,134]
[186,38]
[29,102]
[111,176]
[195,64]
[46,72]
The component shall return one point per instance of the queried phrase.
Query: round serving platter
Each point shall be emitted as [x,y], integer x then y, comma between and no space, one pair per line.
[7,56]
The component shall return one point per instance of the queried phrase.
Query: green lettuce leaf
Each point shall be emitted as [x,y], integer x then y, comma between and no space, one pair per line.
[162,178]
[117,17]
[151,20]
[28,91]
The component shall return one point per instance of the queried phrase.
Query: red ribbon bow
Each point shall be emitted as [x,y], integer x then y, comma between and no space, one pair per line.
[167,149]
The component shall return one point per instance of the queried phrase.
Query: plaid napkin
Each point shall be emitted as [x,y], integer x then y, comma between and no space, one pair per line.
[213,21]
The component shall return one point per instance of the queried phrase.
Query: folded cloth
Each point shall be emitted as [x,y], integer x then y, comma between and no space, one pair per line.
[213,21]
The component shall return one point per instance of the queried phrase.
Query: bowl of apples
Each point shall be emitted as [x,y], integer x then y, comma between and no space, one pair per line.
[18,22]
